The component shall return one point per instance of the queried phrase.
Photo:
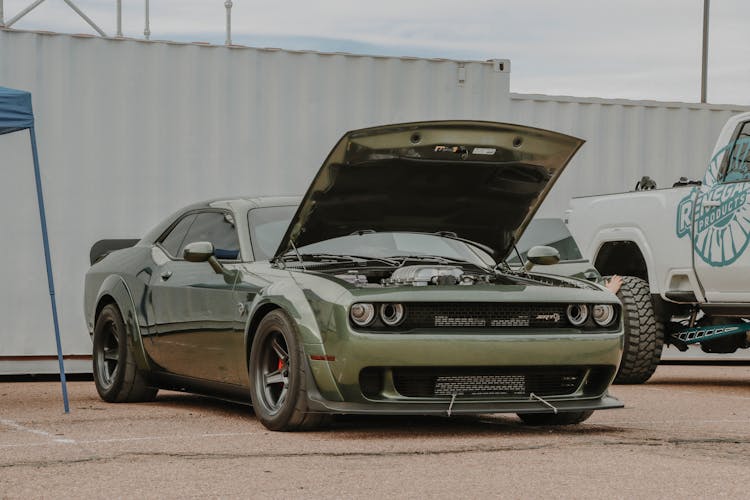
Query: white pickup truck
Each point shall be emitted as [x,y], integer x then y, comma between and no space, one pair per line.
[683,253]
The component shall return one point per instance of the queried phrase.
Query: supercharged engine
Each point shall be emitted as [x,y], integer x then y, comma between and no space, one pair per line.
[418,275]
[423,275]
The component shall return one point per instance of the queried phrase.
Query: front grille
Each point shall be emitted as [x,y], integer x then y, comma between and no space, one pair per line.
[428,382]
[484,315]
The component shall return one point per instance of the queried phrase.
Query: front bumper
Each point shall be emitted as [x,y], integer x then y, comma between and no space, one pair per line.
[334,386]
[317,404]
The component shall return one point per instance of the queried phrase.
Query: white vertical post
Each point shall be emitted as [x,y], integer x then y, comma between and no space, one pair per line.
[147,30]
[2,19]
[119,19]
[704,58]
[228,5]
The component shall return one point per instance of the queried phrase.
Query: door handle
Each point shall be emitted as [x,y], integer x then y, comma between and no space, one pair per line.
[166,275]
[711,203]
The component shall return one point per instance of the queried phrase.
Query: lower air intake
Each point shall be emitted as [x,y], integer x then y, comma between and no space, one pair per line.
[444,382]
[480,384]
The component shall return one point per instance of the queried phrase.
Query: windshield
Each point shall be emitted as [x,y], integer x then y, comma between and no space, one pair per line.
[267,227]
[549,232]
[268,224]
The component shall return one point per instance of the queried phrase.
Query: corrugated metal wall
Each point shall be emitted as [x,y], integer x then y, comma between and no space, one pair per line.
[130,131]
[625,140]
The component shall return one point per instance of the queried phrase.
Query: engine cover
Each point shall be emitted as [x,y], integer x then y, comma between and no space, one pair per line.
[427,275]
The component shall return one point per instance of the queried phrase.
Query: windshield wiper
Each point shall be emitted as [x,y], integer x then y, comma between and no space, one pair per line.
[339,257]
[427,258]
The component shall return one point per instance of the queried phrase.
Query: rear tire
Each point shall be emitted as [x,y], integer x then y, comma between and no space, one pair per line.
[278,376]
[644,333]
[565,418]
[116,375]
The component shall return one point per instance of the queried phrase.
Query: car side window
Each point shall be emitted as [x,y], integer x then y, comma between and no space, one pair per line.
[738,163]
[173,241]
[218,228]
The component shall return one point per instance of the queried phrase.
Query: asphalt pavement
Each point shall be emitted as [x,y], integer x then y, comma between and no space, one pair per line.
[684,434]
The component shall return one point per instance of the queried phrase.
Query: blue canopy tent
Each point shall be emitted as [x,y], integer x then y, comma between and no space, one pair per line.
[16,115]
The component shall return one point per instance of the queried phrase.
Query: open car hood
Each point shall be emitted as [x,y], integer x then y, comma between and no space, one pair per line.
[482,181]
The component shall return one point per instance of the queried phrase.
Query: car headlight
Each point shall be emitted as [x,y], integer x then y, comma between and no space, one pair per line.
[603,314]
[392,314]
[362,314]
[577,314]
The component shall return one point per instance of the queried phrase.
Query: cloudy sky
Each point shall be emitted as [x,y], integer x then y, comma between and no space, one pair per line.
[634,49]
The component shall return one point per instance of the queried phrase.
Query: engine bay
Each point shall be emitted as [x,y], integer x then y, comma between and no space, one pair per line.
[437,275]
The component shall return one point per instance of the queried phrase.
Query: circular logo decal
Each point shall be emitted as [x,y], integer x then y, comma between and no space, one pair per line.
[717,213]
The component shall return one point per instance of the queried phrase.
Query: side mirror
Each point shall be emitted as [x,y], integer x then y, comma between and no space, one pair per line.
[198,251]
[541,256]
[203,251]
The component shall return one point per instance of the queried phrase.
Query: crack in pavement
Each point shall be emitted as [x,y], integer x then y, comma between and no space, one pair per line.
[649,442]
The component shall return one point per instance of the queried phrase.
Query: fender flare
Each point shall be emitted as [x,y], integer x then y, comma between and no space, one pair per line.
[117,289]
[288,297]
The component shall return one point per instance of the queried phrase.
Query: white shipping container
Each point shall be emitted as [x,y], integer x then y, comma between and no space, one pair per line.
[625,140]
[130,131]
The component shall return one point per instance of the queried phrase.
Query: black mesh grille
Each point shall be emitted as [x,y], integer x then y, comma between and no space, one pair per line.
[484,315]
[428,382]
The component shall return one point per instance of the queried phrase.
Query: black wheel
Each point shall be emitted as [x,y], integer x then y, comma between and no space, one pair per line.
[278,376]
[116,375]
[644,333]
[565,418]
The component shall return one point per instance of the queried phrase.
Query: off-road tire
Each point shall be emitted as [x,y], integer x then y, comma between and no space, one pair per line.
[116,375]
[277,413]
[564,418]
[644,333]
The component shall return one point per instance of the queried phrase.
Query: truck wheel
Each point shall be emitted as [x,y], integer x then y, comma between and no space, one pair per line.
[564,418]
[644,333]
[116,375]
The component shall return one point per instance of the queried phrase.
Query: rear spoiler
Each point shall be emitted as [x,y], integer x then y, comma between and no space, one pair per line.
[102,248]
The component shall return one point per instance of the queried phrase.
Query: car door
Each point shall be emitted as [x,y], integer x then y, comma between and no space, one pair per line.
[199,328]
[721,225]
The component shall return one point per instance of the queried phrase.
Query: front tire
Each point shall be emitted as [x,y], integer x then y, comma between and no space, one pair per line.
[565,418]
[116,375]
[644,333]
[278,376]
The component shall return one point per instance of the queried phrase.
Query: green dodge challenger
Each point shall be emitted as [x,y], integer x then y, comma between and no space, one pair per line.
[385,289]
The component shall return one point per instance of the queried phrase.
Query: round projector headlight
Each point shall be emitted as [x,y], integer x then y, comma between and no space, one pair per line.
[578,314]
[362,314]
[603,314]
[392,314]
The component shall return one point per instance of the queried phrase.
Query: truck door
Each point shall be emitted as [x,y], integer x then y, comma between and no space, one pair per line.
[721,223]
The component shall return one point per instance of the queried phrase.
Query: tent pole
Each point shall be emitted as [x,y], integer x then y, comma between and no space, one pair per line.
[48,262]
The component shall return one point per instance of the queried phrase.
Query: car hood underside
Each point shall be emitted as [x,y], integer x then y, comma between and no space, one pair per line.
[480,181]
